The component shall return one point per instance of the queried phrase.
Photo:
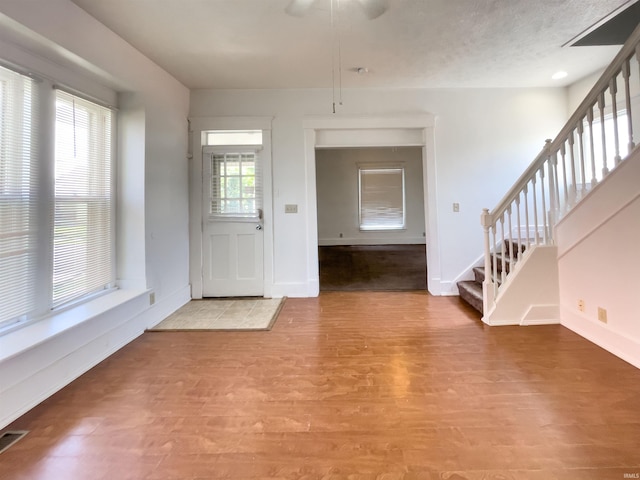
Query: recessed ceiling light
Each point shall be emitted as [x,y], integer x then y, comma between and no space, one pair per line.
[559,75]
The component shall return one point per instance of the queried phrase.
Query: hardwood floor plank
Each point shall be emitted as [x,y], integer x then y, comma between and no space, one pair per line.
[350,385]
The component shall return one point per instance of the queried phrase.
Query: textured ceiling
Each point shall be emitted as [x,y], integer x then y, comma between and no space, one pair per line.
[415,44]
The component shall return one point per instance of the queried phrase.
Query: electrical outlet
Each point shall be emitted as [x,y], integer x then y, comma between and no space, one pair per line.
[456,207]
[602,315]
[581,305]
[152,298]
[290,208]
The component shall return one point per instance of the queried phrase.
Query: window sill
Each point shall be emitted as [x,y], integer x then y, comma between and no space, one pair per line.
[33,334]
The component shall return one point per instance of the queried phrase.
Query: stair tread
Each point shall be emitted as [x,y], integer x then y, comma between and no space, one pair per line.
[472,286]
[471,292]
[479,272]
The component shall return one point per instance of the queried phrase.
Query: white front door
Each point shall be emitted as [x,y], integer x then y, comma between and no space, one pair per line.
[232,222]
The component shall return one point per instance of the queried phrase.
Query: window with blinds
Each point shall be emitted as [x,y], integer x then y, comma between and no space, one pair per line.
[18,201]
[83,254]
[236,188]
[382,198]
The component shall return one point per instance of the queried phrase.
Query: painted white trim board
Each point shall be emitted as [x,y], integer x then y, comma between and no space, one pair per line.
[37,373]
[620,345]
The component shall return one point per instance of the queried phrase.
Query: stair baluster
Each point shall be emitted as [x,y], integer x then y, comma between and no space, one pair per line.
[613,89]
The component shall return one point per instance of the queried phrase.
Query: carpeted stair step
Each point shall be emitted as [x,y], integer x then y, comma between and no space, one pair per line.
[500,264]
[479,275]
[513,246]
[471,292]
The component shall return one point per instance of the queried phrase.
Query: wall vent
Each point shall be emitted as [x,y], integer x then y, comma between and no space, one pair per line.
[7,439]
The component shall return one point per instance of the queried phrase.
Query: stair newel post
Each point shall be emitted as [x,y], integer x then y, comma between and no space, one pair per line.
[626,72]
[601,105]
[613,89]
[488,287]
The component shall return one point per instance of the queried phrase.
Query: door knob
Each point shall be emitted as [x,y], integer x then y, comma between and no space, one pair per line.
[258,227]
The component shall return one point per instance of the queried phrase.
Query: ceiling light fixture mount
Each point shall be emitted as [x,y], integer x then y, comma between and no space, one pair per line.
[371,8]
[559,75]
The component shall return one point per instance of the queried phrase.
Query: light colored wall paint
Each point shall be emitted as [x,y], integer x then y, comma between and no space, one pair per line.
[599,263]
[484,140]
[337,192]
[58,40]
[94,56]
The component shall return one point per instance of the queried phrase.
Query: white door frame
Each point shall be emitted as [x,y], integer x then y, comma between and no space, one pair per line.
[199,125]
[359,131]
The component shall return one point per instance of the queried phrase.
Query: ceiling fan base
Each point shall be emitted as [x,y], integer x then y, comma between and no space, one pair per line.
[372,8]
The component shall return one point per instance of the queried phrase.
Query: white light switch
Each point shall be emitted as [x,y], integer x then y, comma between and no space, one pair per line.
[291,208]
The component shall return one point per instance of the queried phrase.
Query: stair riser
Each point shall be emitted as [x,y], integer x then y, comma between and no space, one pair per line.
[478,275]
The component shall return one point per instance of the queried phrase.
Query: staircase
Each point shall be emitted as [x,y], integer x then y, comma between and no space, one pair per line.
[471,290]
[597,138]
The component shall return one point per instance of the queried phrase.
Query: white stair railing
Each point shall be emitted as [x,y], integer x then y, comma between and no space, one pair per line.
[595,140]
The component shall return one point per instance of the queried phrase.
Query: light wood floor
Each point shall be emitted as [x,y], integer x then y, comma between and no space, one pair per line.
[356,386]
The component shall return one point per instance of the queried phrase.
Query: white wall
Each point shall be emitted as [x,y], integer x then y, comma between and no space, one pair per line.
[484,140]
[576,92]
[337,192]
[598,262]
[58,40]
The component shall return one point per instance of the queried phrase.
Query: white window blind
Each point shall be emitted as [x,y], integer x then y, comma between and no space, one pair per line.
[18,202]
[83,257]
[236,187]
[381,198]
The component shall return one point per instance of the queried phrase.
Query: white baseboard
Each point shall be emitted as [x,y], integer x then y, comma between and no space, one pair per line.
[447,289]
[31,376]
[296,289]
[541,315]
[620,345]
[161,310]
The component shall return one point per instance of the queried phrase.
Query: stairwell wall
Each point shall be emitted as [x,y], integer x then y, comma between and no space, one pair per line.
[599,263]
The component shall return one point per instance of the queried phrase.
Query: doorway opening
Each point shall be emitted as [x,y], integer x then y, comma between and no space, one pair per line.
[412,130]
[371,218]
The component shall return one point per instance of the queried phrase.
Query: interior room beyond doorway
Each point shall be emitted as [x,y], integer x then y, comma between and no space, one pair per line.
[371,218]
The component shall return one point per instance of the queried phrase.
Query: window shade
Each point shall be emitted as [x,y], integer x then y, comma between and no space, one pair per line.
[83,216]
[18,188]
[381,198]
